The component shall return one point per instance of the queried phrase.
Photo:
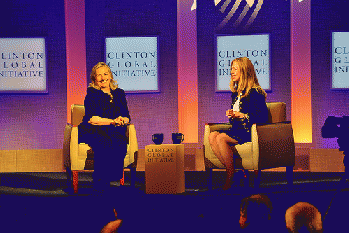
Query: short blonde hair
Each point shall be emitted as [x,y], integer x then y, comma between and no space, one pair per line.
[248,79]
[113,84]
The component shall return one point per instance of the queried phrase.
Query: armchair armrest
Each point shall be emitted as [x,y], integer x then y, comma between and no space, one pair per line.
[218,126]
[133,143]
[74,147]
[66,145]
[276,145]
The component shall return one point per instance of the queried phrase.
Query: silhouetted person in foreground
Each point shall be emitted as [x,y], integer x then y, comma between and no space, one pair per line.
[112,226]
[255,213]
[303,214]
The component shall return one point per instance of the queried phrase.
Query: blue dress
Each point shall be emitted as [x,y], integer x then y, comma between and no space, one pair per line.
[108,142]
[255,107]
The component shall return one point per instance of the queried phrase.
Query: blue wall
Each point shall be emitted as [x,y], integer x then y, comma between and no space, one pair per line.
[36,121]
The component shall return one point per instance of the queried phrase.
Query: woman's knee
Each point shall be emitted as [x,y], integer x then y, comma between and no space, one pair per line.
[212,137]
[222,138]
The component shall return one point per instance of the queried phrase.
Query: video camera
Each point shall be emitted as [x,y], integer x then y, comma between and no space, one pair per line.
[337,127]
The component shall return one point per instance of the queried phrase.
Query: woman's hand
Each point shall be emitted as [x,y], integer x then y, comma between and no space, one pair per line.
[126,120]
[231,114]
[96,120]
[118,121]
[121,121]
[239,115]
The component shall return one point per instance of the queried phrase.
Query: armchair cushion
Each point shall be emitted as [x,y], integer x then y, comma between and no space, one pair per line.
[249,151]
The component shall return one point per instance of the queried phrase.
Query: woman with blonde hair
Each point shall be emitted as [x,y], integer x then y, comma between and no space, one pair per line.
[248,107]
[104,126]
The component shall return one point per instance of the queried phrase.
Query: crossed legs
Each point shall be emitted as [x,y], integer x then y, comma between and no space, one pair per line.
[221,145]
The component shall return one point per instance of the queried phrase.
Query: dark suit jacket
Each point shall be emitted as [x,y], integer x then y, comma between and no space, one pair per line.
[97,103]
[254,106]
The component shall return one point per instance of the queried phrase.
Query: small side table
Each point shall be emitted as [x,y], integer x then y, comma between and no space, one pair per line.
[164,169]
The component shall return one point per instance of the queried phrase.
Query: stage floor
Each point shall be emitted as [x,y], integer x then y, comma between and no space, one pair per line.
[39,202]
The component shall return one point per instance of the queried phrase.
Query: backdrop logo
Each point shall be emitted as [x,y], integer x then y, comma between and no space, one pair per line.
[340,59]
[255,47]
[22,64]
[229,8]
[134,62]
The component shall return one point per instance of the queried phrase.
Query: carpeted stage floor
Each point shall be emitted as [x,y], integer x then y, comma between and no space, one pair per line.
[41,202]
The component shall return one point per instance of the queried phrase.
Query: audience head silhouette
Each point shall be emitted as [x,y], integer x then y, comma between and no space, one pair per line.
[303,214]
[255,211]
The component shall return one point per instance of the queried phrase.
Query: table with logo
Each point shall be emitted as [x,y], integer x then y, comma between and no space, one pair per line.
[164,169]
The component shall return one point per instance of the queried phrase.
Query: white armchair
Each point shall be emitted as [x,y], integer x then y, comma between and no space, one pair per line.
[272,145]
[76,153]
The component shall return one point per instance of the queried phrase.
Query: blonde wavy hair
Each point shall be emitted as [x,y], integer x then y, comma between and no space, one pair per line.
[248,78]
[113,85]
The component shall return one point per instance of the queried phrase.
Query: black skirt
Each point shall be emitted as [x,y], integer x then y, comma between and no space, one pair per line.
[240,130]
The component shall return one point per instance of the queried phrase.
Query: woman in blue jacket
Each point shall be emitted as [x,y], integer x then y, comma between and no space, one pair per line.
[104,126]
[248,107]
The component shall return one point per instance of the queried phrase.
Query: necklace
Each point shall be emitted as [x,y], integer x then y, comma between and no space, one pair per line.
[111,97]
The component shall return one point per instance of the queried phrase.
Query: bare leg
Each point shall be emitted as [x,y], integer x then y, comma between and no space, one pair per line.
[224,143]
[214,146]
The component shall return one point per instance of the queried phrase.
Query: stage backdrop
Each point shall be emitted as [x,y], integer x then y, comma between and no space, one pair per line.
[36,121]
